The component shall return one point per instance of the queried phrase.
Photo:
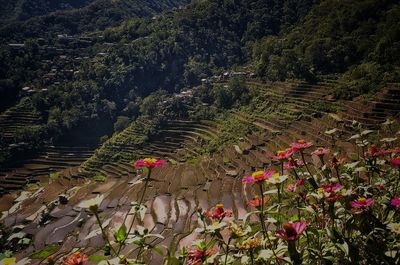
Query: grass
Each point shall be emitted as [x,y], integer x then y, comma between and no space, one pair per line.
[46,252]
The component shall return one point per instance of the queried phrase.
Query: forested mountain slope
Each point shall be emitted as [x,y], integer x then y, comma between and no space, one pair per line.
[358,40]
[41,18]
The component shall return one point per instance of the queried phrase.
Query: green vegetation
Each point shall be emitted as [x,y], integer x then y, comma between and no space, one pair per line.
[99,178]
[46,252]
[359,39]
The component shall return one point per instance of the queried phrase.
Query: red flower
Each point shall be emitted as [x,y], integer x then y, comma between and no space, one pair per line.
[301,145]
[395,202]
[149,163]
[395,162]
[218,212]
[256,202]
[362,203]
[197,256]
[283,155]
[291,231]
[76,259]
[321,151]
[373,151]
[258,176]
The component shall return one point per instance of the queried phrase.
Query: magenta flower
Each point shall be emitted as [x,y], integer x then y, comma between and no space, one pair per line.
[258,176]
[321,151]
[291,231]
[395,162]
[362,203]
[395,202]
[332,191]
[301,145]
[149,163]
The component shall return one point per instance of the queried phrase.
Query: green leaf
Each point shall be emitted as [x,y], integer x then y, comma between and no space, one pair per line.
[96,258]
[120,235]
[295,218]
[158,251]
[270,192]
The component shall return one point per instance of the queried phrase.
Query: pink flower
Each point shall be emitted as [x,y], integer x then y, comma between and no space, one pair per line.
[362,203]
[218,212]
[332,191]
[76,259]
[256,202]
[149,163]
[293,164]
[395,202]
[258,176]
[291,231]
[283,155]
[301,145]
[321,151]
[395,162]
[198,256]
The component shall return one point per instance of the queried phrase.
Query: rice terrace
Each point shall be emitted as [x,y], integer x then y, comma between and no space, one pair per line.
[200,132]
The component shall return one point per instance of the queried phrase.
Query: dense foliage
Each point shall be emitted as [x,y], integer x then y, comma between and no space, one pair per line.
[358,38]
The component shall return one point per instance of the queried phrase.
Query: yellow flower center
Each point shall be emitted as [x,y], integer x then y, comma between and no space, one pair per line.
[257,173]
[150,160]
[219,206]
[280,152]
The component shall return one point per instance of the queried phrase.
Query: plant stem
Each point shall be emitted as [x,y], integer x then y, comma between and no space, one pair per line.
[311,179]
[134,216]
[105,237]
[262,209]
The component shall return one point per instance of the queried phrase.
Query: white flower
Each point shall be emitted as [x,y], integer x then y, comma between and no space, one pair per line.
[92,203]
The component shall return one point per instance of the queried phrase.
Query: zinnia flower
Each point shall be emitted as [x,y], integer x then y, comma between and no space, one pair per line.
[395,162]
[198,256]
[331,191]
[256,202]
[301,145]
[149,163]
[395,202]
[258,176]
[76,259]
[291,231]
[277,179]
[321,151]
[373,151]
[218,212]
[283,155]
[362,203]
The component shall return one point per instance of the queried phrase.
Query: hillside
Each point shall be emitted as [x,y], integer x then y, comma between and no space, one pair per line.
[41,18]
[209,132]
[21,10]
